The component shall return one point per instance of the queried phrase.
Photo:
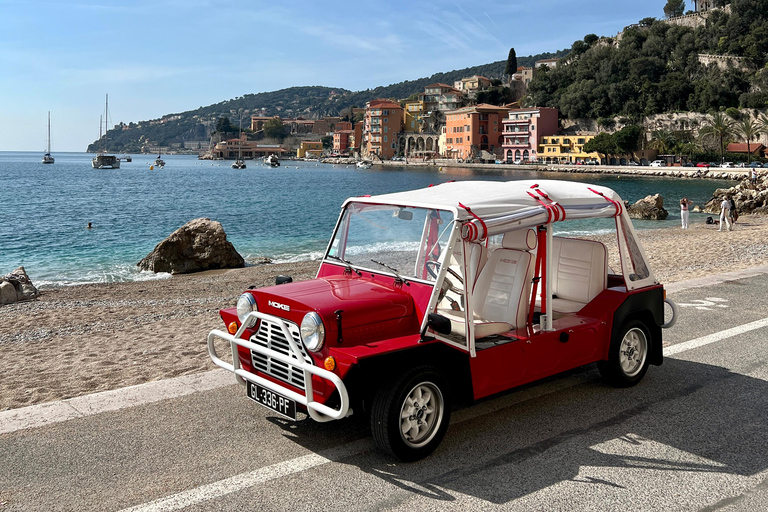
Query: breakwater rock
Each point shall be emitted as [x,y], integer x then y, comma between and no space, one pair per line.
[648,208]
[198,245]
[16,286]
[669,172]
[749,197]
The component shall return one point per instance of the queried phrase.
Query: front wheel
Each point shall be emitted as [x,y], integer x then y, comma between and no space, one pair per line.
[628,356]
[410,415]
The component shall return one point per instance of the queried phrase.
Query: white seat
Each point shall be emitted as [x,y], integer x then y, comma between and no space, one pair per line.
[579,273]
[502,289]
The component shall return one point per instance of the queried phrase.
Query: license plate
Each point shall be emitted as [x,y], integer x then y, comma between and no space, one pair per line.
[271,400]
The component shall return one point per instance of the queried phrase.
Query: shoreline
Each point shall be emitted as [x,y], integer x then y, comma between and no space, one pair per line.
[83,339]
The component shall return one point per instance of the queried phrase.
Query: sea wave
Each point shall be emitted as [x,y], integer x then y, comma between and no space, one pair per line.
[120,273]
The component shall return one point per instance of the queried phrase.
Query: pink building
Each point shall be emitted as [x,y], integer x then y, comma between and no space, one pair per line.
[522,129]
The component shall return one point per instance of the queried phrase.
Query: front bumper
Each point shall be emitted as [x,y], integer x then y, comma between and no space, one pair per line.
[316,410]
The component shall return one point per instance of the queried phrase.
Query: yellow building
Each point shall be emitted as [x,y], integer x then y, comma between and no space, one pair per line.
[413,111]
[565,149]
[310,149]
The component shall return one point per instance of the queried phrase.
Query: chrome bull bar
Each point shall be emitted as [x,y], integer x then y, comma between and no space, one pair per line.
[317,411]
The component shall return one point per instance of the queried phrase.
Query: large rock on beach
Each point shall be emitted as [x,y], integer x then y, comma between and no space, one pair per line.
[648,208]
[749,197]
[16,286]
[198,245]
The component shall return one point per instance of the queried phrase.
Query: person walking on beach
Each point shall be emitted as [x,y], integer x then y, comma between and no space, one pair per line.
[684,202]
[733,212]
[725,214]
[754,176]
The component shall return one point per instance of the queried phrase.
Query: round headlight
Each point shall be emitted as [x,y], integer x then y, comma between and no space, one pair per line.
[312,331]
[245,304]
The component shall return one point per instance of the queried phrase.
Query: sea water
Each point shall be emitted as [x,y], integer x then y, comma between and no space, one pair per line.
[285,213]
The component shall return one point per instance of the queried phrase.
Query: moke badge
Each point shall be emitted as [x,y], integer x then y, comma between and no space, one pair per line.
[277,305]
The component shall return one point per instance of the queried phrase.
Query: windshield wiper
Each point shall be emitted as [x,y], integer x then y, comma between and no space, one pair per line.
[393,269]
[347,263]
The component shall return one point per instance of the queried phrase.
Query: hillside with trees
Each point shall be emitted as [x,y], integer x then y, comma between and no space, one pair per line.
[654,68]
[312,102]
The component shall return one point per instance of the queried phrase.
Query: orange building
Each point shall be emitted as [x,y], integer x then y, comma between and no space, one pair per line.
[470,130]
[383,121]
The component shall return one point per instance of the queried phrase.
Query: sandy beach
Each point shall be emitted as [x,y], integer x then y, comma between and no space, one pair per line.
[84,339]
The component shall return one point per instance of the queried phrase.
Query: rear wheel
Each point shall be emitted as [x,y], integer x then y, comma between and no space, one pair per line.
[628,356]
[410,415]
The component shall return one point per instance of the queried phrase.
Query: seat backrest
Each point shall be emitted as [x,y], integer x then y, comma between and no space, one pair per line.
[503,287]
[478,256]
[579,268]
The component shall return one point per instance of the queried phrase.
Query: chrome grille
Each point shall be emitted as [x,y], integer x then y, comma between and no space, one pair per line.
[271,336]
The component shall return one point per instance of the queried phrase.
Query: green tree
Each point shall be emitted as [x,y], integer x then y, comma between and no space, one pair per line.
[663,141]
[603,143]
[719,128]
[274,129]
[327,142]
[223,125]
[511,67]
[628,139]
[674,8]
[749,130]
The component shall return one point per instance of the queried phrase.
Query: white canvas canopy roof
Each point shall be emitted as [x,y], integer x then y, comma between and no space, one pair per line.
[493,207]
[487,208]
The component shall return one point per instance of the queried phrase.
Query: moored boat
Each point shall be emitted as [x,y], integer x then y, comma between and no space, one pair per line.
[102,160]
[272,161]
[47,158]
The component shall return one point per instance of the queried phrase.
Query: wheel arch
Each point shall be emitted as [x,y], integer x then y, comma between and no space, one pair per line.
[372,373]
[648,307]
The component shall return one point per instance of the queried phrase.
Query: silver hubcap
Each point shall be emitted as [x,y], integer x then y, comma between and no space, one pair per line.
[421,414]
[633,351]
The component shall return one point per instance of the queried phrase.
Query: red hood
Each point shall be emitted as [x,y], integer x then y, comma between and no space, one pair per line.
[370,309]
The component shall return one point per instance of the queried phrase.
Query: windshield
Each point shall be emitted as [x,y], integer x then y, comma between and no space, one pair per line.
[392,239]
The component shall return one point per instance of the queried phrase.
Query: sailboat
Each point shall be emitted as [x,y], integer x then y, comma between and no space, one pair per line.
[239,163]
[103,160]
[47,158]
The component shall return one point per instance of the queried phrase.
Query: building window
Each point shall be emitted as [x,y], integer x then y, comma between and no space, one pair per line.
[385,129]
[386,112]
[385,138]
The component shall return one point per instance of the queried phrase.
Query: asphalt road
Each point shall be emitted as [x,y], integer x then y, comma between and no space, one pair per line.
[690,436]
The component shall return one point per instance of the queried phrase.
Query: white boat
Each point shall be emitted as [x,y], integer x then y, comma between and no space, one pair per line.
[364,164]
[239,163]
[102,160]
[47,158]
[272,160]
[159,162]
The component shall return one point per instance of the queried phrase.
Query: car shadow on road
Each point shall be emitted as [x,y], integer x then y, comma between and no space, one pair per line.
[684,416]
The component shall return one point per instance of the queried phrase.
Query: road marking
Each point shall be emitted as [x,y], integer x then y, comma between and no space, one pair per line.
[712,338]
[262,475]
[245,480]
[705,304]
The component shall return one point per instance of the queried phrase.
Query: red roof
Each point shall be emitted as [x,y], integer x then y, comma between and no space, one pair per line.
[737,147]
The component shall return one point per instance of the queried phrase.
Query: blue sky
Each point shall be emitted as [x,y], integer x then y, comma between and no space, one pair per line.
[164,56]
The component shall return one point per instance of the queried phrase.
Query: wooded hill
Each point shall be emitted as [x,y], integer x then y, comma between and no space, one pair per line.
[655,68]
[308,102]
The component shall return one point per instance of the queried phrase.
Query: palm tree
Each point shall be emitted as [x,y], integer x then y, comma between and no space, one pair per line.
[663,141]
[749,130]
[719,128]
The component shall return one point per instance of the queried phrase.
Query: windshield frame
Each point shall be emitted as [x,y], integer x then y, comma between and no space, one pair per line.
[341,232]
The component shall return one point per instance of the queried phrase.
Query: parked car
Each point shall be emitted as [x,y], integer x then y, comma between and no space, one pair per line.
[755,165]
[428,297]
[727,165]
[765,165]
[702,164]
[632,163]
[658,163]
[687,164]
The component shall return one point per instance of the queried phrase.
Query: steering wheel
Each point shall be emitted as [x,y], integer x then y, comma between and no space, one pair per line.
[432,268]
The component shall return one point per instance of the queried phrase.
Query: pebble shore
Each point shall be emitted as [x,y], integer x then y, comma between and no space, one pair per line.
[84,339]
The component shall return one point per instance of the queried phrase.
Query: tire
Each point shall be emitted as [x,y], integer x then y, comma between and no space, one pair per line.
[628,357]
[425,424]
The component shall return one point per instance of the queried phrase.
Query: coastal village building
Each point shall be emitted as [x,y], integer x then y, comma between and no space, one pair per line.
[754,149]
[441,97]
[524,75]
[383,121]
[413,111]
[565,149]
[343,142]
[471,130]
[522,130]
[472,85]
[310,149]
[231,149]
[552,63]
